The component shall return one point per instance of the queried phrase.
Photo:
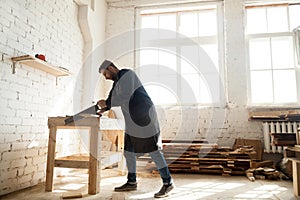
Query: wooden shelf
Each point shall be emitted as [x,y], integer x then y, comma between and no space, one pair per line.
[40,64]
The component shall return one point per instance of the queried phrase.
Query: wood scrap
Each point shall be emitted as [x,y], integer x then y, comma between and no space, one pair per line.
[286,167]
[283,139]
[263,173]
[71,195]
[106,145]
[256,144]
[292,117]
[265,163]
[250,175]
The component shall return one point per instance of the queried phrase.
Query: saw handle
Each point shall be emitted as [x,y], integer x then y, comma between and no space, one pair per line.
[102,110]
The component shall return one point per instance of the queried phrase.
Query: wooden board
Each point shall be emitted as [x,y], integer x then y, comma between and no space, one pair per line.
[250,142]
[283,139]
[71,195]
[280,115]
[81,161]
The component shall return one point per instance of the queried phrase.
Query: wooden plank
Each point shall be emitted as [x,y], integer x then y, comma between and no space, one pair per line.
[207,171]
[79,156]
[184,146]
[44,66]
[23,57]
[120,141]
[108,158]
[41,65]
[296,177]
[183,141]
[87,122]
[50,159]
[71,195]
[284,115]
[72,164]
[205,159]
[94,161]
[298,136]
[227,170]
[257,145]
[106,145]
[114,136]
[283,139]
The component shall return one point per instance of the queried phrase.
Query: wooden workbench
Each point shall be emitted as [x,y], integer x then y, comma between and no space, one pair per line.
[93,163]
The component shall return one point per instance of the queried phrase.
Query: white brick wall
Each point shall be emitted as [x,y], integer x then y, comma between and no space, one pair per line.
[29,96]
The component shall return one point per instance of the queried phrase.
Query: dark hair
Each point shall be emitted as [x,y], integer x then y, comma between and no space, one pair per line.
[105,64]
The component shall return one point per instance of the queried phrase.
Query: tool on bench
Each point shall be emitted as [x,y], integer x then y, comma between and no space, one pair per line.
[93,110]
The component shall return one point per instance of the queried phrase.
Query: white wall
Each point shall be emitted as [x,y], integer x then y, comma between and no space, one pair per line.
[221,125]
[30,95]
[92,20]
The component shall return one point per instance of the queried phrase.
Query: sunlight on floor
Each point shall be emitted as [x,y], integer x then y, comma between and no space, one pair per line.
[198,190]
[195,190]
[265,191]
[142,196]
[73,186]
[187,188]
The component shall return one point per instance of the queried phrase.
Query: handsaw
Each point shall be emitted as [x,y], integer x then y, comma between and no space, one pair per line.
[93,110]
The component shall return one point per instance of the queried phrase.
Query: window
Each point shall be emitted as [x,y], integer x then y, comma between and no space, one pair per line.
[271,55]
[179,56]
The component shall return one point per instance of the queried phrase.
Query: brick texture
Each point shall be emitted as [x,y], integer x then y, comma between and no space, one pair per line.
[30,95]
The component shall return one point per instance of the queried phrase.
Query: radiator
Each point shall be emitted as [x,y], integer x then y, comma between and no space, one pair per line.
[277,127]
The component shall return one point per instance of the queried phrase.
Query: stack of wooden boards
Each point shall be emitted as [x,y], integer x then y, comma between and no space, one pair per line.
[206,158]
[244,158]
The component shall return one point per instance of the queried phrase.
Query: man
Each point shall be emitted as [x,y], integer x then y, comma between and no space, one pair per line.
[142,132]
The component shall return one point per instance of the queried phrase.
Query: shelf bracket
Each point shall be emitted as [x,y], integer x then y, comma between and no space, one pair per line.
[14,67]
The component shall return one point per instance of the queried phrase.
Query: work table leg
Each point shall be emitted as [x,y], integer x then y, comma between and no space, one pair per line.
[95,161]
[50,158]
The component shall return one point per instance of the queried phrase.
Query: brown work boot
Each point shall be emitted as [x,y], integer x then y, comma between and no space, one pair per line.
[126,187]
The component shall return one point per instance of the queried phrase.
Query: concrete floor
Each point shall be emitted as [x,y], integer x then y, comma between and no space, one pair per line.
[188,186]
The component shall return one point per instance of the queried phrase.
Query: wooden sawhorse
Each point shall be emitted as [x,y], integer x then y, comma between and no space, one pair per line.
[93,163]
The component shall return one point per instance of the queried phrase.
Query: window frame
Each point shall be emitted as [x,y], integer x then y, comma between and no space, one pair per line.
[248,37]
[218,38]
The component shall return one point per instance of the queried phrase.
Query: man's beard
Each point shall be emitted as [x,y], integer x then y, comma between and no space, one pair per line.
[114,77]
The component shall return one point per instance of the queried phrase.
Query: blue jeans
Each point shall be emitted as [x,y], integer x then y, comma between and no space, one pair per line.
[160,163]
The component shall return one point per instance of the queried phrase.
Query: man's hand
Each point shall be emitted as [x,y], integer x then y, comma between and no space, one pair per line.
[102,103]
